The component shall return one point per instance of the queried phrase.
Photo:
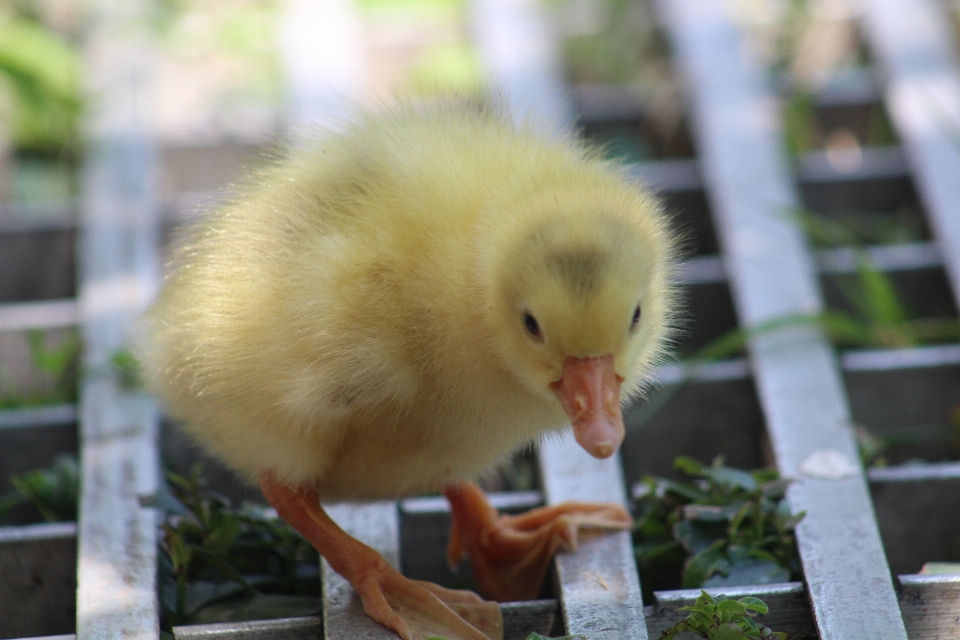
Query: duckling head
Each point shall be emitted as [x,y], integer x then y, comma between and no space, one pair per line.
[580,300]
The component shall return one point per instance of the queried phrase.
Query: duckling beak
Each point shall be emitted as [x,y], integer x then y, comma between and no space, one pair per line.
[589,391]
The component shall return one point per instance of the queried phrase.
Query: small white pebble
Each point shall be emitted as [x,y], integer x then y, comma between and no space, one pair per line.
[829,464]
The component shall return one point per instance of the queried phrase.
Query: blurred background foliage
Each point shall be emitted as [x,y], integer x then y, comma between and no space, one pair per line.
[40,100]
[40,80]
[219,69]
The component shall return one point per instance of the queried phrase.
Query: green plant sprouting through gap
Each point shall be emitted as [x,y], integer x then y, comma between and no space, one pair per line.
[127,369]
[725,527]
[52,491]
[60,363]
[220,563]
[722,618]
[878,319]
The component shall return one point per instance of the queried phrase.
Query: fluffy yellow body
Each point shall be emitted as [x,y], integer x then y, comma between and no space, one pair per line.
[354,321]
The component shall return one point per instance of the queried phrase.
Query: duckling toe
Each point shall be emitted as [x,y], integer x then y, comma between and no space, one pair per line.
[510,555]
[418,610]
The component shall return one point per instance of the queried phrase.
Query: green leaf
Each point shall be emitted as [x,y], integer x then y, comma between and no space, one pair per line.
[222,535]
[127,368]
[822,231]
[696,537]
[43,70]
[53,491]
[754,604]
[681,627]
[688,492]
[844,329]
[798,117]
[164,501]
[749,572]
[704,513]
[60,363]
[793,521]
[728,345]
[704,564]
[727,631]
[731,477]
[722,618]
[28,51]
[934,330]
[881,302]
[729,610]
[777,488]
[688,466]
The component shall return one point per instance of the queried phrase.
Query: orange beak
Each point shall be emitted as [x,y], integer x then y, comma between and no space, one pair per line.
[589,391]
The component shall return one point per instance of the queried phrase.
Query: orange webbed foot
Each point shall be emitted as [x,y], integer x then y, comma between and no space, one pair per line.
[418,610]
[415,609]
[510,555]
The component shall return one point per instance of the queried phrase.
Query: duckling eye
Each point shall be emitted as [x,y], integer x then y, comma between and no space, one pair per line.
[636,317]
[532,326]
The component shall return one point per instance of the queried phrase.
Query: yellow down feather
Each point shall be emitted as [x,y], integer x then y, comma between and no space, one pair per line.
[354,320]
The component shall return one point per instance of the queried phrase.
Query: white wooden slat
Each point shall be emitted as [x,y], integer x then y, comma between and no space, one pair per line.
[303,628]
[895,257]
[321,46]
[772,275]
[377,525]
[38,417]
[521,56]
[43,314]
[912,41]
[599,585]
[118,272]
[929,606]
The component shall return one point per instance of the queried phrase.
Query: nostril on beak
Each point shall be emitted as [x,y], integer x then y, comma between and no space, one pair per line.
[580,401]
[612,403]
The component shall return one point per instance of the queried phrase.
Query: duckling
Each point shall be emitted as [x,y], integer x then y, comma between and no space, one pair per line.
[393,309]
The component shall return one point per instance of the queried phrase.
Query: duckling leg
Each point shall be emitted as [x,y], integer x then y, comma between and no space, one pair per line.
[415,609]
[510,555]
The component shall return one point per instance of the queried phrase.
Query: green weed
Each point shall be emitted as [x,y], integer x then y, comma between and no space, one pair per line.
[722,618]
[40,71]
[725,527]
[53,492]
[220,563]
[127,369]
[59,364]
